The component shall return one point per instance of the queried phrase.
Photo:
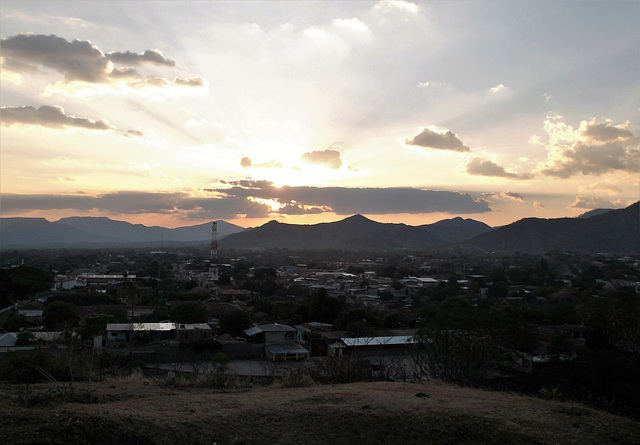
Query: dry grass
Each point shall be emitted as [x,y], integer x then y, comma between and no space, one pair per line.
[137,410]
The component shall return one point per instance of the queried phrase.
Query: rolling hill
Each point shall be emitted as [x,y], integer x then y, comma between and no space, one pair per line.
[615,231]
[355,233]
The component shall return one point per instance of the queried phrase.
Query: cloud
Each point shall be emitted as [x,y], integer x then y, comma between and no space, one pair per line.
[295,209]
[190,82]
[153,56]
[329,158]
[481,167]
[134,134]
[79,60]
[247,162]
[602,187]
[498,88]
[512,195]
[348,201]
[430,138]
[595,148]
[127,202]
[604,132]
[538,206]
[49,116]
[503,195]
[592,202]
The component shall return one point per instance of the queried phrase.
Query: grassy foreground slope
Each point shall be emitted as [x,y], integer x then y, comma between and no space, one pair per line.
[129,411]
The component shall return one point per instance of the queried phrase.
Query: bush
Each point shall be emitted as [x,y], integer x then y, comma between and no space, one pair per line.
[296,376]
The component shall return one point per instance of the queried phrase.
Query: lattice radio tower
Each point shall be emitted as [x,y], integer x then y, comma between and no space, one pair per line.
[213,255]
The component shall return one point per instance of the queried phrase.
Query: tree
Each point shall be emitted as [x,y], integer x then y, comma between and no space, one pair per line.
[94,324]
[189,312]
[465,358]
[224,279]
[234,321]
[15,321]
[25,338]
[59,314]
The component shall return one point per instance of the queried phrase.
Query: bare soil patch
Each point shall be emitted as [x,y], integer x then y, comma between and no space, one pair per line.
[135,411]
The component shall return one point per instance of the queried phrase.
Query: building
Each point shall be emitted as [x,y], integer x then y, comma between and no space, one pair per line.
[279,342]
[193,332]
[124,333]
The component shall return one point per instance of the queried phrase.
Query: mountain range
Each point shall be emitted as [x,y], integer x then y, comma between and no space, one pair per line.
[355,233]
[76,231]
[611,231]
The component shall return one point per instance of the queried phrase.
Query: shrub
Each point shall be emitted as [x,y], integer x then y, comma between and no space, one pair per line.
[296,376]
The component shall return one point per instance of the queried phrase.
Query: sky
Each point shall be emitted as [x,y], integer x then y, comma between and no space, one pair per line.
[175,113]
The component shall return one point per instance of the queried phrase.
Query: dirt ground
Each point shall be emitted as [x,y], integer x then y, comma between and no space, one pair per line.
[139,411]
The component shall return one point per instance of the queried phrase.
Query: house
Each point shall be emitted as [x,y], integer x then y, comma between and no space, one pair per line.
[279,341]
[193,332]
[123,333]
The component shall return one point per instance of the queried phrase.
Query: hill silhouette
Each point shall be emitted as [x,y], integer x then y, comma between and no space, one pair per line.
[355,233]
[615,231]
[17,233]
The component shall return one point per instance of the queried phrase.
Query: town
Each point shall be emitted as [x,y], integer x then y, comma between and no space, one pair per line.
[529,323]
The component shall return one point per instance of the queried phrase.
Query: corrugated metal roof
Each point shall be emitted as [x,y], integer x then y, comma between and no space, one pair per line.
[193,326]
[140,326]
[268,328]
[287,349]
[379,341]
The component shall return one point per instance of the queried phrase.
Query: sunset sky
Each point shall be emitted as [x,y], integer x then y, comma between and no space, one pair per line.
[175,113]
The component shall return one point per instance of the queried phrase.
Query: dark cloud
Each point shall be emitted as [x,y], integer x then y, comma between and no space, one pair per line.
[329,158]
[246,162]
[481,167]
[77,60]
[428,138]
[48,116]
[602,148]
[153,56]
[606,132]
[348,201]
[293,209]
[239,201]
[512,195]
[125,73]
[224,207]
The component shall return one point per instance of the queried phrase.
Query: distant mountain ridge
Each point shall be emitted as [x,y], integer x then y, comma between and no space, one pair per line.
[17,233]
[355,233]
[594,212]
[615,231]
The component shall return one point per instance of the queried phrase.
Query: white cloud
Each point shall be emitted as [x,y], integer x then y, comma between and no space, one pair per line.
[499,89]
[594,148]
[594,202]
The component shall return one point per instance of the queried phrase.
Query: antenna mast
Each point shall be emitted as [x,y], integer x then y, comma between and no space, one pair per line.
[213,256]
